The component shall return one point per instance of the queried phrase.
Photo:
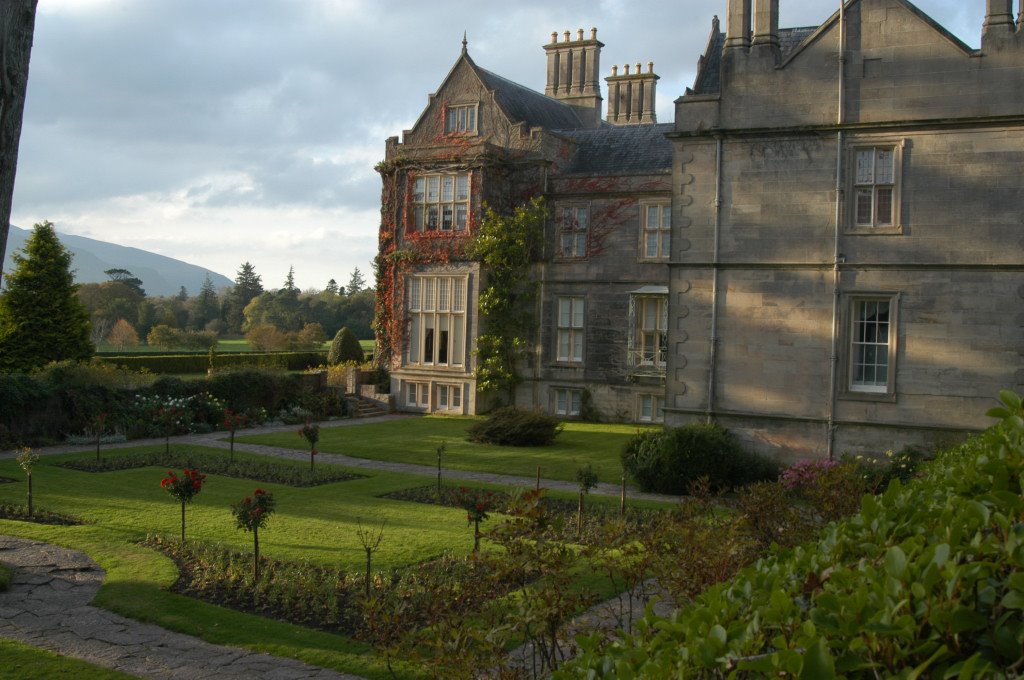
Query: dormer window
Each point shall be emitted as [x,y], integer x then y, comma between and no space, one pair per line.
[460,120]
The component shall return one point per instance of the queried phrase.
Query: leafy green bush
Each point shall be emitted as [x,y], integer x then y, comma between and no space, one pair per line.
[924,582]
[199,363]
[671,461]
[512,427]
[345,347]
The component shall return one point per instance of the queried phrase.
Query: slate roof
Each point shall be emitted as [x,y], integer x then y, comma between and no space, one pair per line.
[709,73]
[620,150]
[522,104]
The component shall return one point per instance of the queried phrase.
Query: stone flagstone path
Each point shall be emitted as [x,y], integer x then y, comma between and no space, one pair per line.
[48,606]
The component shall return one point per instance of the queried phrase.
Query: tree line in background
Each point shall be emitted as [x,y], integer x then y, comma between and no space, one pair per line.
[124,316]
[45,316]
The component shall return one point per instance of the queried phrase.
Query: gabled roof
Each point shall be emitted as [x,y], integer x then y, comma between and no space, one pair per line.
[792,41]
[619,150]
[520,104]
[523,105]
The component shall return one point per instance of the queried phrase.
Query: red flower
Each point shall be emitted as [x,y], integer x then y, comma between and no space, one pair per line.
[163,483]
[258,492]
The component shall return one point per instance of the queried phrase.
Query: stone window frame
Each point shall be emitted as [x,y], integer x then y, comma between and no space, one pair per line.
[412,391]
[657,408]
[570,332]
[572,397]
[662,232]
[849,353]
[441,299]
[852,187]
[640,354]
[422,201]
[453,397]
[467,124]
[573,233]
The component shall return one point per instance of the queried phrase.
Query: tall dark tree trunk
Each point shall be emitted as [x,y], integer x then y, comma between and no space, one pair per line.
[17,23]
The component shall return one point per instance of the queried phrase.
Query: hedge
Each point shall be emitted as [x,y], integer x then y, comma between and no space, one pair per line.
[925,582]
[199,363]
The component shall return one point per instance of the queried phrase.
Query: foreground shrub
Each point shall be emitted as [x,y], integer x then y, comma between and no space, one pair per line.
[672,461]
[512,427]
[344,348]
[925,580]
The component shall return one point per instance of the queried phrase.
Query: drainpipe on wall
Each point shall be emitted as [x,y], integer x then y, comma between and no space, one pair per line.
[713,349]
[840,119]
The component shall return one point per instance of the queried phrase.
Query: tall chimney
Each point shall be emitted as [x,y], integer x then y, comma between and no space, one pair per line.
[631,96]
[737,25]
[999,24]
[573,74]
[765,43]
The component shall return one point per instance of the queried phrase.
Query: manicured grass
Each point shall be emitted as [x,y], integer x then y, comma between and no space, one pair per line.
[317,524]
[415,440]
[22,662]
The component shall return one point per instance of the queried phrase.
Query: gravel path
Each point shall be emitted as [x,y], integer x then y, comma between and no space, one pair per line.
[48,606]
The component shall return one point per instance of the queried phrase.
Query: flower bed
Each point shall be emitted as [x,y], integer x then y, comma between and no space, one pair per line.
[212,464]
[21,514]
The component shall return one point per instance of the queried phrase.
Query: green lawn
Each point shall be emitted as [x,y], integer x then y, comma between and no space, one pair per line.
[415,440]
[317,524]
[22,662]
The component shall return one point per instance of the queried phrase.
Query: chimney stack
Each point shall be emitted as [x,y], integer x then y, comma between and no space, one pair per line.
[999,25]
[573,74]
[631,96]
[766,30]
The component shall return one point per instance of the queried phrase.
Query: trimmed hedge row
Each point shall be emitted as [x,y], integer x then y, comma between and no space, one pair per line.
[926,581]
[198,363]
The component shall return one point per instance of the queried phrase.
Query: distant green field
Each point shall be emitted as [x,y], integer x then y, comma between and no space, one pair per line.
[224,346]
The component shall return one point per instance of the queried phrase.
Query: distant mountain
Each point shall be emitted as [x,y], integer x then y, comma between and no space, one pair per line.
[160,275]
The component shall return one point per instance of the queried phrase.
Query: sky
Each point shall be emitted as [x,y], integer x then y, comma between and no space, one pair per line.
[224,131]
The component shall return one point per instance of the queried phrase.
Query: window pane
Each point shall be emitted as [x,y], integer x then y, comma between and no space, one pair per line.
[577,399]
[459,304]
[428,294]
[646,408]
[564,311]
[577,312]
[443,292]
[411,394]
[577,347]
[462,187]
[447,218]
[652,244]
[884,196]
[456,397]
[458,342]
[417,189]
[664,244]
[666,217]
[432,217]
[460,218]
[863,206]
[581,244]
[865,166]
[414,339]
[653,215]
[432,189]
[561,398]
[883,167]
[442,396]
[447,188]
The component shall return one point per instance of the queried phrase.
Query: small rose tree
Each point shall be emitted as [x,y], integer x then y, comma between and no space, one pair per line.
[311,433]
[478,505]
[99,426]
[251,514]
[184,489]
[587,479]
[232,421]
[170,419]
[27,460]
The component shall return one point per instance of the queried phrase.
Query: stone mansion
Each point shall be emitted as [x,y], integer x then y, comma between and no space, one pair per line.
[823,252]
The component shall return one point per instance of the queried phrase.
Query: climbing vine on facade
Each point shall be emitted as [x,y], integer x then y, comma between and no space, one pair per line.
[507,247]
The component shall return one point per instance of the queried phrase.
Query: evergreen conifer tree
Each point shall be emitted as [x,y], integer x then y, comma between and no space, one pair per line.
[41,318]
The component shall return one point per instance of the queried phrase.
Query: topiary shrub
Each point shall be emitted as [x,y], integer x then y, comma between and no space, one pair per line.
[671,461]
[345,347]
[512,427]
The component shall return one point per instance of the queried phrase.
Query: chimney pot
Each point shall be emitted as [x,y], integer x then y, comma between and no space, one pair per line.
[593,33]
[650,67]
[625,69]
[579,34]
[566,36]
[554,36]
[638,71]
[615,70]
